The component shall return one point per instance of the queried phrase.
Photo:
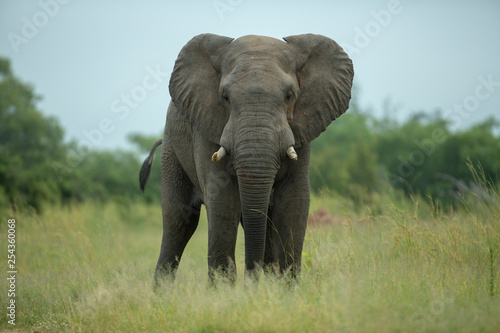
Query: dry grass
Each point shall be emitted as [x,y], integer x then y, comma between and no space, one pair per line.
[89,268]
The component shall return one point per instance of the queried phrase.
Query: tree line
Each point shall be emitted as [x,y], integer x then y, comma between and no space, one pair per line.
[357,157]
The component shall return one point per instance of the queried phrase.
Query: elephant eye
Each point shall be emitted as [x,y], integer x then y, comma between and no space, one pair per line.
[225,97]
[289,96]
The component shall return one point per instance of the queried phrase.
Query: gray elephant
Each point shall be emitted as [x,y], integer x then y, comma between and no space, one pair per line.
[257,102]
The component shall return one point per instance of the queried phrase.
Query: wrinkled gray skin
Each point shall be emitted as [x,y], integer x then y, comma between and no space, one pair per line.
[255,96]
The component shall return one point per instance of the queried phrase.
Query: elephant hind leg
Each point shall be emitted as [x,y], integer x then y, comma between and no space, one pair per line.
[181,205]
[179,225]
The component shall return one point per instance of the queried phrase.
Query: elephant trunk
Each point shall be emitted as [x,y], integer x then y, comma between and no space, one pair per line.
[256,162]
[255,190]
[255,181]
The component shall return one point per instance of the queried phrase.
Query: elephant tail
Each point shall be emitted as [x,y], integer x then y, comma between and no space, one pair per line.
[146,166]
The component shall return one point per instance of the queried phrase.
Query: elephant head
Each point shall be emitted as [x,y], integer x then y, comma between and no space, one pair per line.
[258,98]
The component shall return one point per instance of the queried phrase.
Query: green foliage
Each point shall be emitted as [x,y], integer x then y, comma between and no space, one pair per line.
[110,175]
[424,157]
[358,158]
[405,150]
[343,158]
[38,167]
[29,143]
[359,155]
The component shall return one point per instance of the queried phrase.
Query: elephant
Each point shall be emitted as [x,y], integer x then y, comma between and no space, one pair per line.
[237,139]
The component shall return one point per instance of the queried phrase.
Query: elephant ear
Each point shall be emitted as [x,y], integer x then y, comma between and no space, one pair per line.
[194,84]
[325,75]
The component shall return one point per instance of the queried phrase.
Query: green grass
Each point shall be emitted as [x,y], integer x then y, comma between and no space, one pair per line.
[89,268]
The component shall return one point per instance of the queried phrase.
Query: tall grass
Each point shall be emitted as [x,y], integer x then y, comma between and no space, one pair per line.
[89,268]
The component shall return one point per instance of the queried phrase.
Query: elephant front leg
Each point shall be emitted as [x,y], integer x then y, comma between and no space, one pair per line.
[223,212]
[289,222]
[270,254]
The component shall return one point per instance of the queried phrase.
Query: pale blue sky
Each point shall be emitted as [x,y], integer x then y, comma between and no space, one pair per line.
[84,56]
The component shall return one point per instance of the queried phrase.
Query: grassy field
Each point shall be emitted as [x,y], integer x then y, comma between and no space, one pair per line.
[89,268]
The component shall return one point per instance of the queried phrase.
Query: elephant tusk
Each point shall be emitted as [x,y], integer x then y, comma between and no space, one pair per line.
[219,155]
[291,153]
